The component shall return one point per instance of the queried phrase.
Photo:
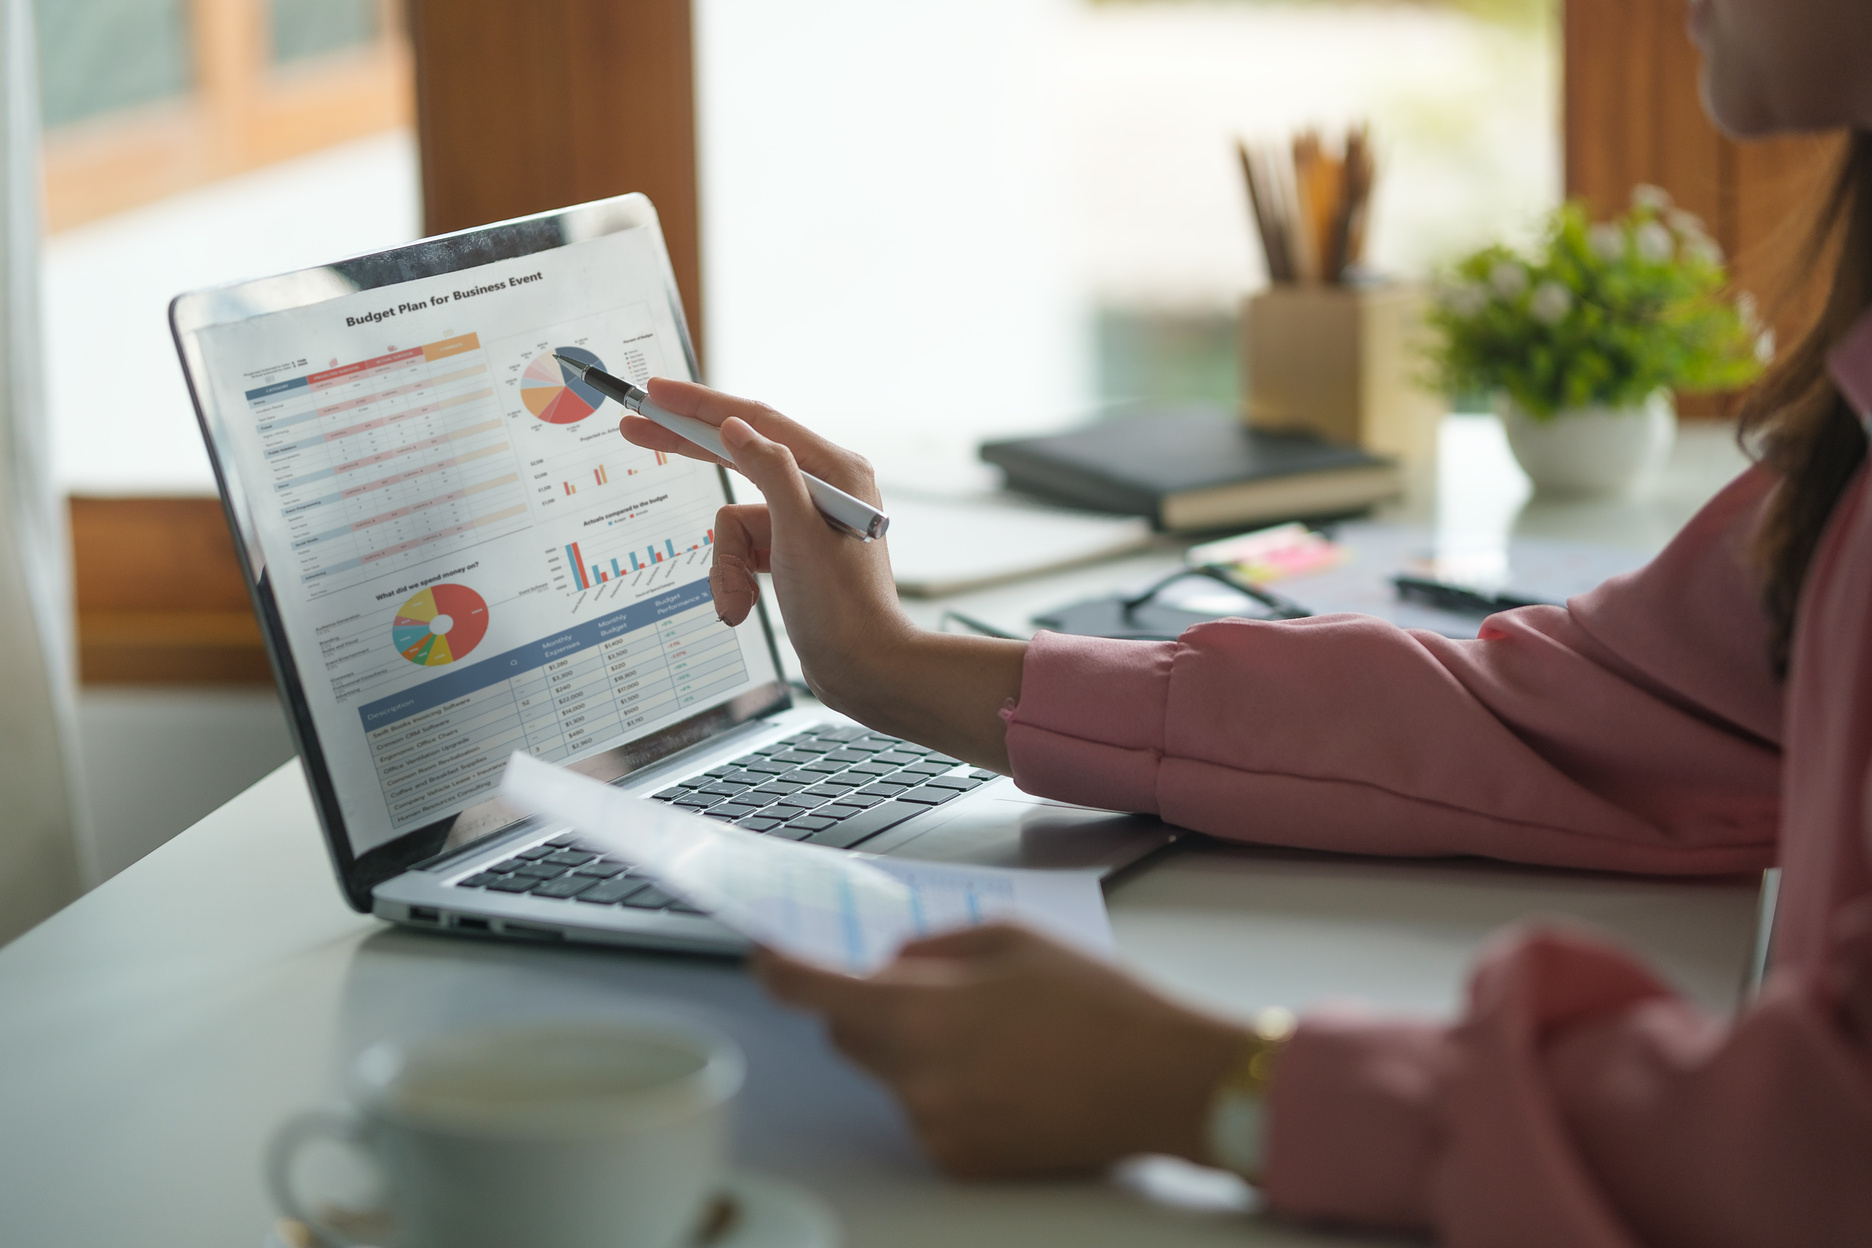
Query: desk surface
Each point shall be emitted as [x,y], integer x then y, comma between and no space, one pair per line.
[155,1032]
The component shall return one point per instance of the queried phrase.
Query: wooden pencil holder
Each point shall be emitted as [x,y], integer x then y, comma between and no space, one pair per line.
[1341,363]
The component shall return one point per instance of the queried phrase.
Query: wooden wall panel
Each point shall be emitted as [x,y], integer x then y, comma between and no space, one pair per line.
[526,105]
[160,595]
[1633,115]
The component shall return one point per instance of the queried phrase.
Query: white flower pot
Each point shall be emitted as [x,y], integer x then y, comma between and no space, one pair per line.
[1591,450]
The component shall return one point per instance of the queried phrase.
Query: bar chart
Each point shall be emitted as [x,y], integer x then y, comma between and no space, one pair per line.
[590,572]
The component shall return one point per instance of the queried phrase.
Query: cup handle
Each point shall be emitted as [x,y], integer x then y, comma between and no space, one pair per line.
[309,1127]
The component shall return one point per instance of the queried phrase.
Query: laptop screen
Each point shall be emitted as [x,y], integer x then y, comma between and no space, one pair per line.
[466,557]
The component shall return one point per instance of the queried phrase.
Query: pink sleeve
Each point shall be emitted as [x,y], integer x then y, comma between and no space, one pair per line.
[1634,729]
[1580,1104]
[1577,1102]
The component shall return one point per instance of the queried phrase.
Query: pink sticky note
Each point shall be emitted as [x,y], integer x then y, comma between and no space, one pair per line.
[1850,362]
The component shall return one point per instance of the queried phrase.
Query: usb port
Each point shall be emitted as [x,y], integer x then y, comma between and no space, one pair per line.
[473,925]
[424,914]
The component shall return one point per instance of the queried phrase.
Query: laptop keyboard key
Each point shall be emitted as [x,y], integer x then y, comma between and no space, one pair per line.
[812,823]
[540,870]
[760,823]
[478,881]
[960,784]
[651,898]
[882,790]
[866,824]
[601,870]
[670,794]
[569,858]
[730,811]
[610,892]
[874,768]
[514,884]
[538,851]
[764,766]
[927,795]
[860,800]
[982,773]
[570,886]
[787,832]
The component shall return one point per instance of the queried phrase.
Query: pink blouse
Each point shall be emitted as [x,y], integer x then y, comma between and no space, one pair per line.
[1639,728]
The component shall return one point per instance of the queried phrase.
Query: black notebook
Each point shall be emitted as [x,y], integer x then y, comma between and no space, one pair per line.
[1193,470]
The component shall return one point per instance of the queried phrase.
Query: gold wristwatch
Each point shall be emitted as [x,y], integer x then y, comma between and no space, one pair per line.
[1238,1107]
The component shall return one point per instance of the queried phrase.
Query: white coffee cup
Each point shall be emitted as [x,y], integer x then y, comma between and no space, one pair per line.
[549,1136]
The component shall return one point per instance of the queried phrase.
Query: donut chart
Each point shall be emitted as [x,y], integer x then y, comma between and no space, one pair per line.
[556,394]
[439,625]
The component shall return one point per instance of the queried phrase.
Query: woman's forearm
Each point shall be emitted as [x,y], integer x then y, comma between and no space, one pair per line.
[942,690]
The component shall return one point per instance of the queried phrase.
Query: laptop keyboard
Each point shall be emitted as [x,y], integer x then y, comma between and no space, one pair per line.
[827,786]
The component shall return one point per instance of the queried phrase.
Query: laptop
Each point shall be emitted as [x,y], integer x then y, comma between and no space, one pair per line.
[454,555]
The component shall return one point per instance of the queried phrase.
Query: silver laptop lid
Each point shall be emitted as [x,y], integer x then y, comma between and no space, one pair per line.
[452,551]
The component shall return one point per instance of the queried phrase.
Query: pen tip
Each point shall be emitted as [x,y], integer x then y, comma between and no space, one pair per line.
[566,359]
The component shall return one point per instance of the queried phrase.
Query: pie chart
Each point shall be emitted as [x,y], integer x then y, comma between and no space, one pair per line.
[439,625]
[554,393]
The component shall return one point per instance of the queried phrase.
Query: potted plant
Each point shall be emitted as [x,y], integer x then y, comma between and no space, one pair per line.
[1581,342]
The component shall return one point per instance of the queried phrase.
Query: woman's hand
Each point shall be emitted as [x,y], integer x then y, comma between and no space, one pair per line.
[1017,1056]
[857,650]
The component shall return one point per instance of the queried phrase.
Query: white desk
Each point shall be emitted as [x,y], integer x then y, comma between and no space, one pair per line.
[153,1034]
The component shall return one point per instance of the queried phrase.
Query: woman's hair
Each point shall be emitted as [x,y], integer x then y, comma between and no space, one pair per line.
[1796,421]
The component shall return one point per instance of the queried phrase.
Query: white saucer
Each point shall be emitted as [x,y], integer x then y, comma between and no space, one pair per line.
[767,1214]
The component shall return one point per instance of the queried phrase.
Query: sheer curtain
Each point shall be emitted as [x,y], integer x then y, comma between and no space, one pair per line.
[39,844]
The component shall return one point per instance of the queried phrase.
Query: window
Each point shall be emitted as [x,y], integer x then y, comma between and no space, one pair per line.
[100,56]
[145,98]
[304,29]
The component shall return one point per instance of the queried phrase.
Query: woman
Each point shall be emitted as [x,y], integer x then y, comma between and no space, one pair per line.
[1709,713]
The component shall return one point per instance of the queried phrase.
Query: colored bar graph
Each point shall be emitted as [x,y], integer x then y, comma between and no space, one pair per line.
[672,547]
[599,473]
[577,563]
[661,458]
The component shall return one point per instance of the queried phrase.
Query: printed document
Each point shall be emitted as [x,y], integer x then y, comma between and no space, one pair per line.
[842,911]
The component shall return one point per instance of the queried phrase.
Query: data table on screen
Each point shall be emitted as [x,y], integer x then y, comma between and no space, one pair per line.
[445,741]
[388,461]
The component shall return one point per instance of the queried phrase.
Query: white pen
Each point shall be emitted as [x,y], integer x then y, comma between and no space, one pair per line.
[854,515]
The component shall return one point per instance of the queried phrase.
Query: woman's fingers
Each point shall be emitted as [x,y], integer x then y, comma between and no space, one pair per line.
[743,546]
[771,467]
[987,941]
[825,460]
[644,432]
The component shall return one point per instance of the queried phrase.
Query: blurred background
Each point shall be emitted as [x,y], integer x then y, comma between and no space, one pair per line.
[912,224]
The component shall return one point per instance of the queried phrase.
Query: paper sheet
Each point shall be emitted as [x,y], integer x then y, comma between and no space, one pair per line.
[835,909]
